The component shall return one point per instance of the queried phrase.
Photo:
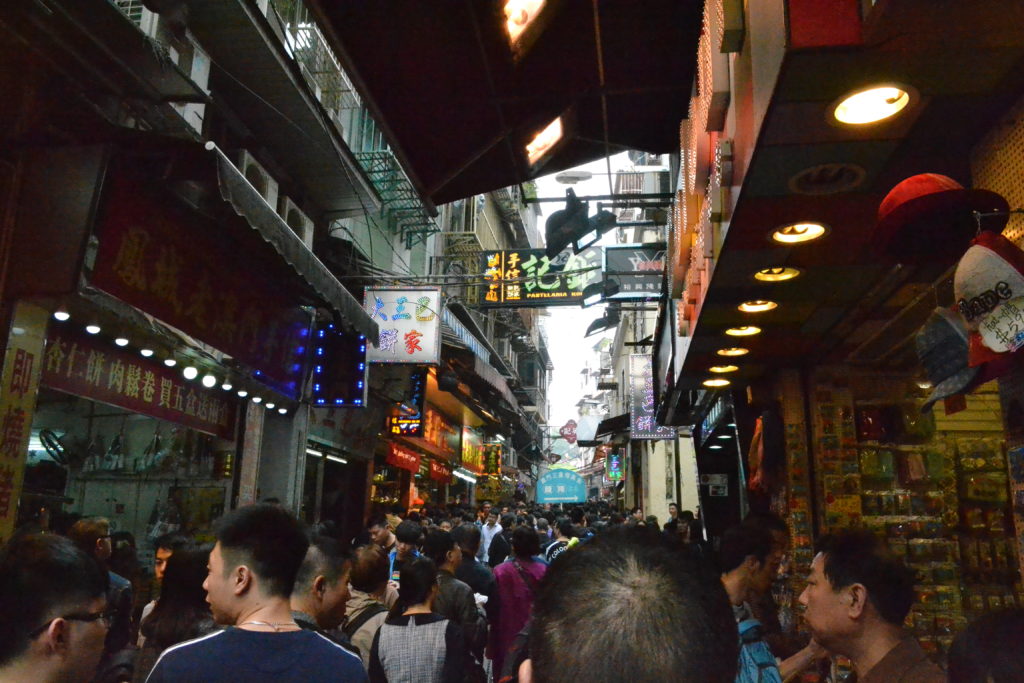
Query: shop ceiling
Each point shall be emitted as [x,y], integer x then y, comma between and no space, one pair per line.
[966,63]
[459,109]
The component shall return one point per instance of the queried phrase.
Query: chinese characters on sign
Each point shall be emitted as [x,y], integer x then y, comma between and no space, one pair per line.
[527,277]
[472,450]
[568,431]
[614,470]
[22,362]
[160,258]
[440,472]
[639,270]
[561,486]
[406,418]
[641,401]
[492,458]
[410,324]
[403,458]
[85,366]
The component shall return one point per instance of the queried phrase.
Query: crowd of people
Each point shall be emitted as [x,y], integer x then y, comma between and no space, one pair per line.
[510,593]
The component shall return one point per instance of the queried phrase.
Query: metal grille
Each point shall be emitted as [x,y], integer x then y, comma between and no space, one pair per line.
[131,9]
[997,164]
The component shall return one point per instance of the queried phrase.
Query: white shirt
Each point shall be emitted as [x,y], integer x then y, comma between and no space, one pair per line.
[487,534]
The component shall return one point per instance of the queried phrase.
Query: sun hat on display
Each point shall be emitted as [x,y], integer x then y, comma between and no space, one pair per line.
[929,216]
[989,291]
[942,350]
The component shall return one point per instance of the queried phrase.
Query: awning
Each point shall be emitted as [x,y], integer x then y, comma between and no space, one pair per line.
[248,203]
[613,425]
[623,81]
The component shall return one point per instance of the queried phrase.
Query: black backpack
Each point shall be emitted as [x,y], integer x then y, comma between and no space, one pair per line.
[364,616]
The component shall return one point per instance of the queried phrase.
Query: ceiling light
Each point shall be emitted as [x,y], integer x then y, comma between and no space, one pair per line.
[257,399]
[283,411]
[743,331]
[924,384]
[715,447]
[544,141]
[733,351]
[271,406]
[146,353]
[777,274]
[209,381]
[226,386]
[723,368]
[190,372]
[798,232]
[716,383]
[757,306]
[242,393]
[92,329]
[61,315]
[519,14]
[336,458]
[871,105]
[121,341]
[725,436]
[170,362]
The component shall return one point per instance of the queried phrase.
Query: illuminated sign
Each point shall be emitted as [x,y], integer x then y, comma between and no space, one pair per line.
[613,467]
[527,277]
[410,324]
[492,458]
[339,368]
[406,418]
[472,450]
[403,458]
[641,401]
[638,270]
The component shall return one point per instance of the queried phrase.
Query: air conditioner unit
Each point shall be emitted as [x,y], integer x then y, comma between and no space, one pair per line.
[298,221]
[258,177]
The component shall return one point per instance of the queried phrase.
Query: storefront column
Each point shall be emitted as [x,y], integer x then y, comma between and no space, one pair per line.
[282,456]
[252,440]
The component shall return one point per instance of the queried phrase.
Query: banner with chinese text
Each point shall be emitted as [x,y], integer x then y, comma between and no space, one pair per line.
[561,486]
[527,277]
[641,401]
[92,368]
[410,324]
[492,458]
[22,362]
[162,259]
[472,450]
[403,458]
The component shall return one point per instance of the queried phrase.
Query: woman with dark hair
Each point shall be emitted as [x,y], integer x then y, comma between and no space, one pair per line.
[181,613]
[988,650]
[414,644]
[517,579]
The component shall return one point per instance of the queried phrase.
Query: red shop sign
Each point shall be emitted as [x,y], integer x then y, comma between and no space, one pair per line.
[180,267]
[403,458]
[89,367]
[440,472]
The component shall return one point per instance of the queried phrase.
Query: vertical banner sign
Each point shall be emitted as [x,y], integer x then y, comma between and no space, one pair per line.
[472,450]
[410,324]
[406,418]
[22,365]
[615,471]
[641,401]
[492,458]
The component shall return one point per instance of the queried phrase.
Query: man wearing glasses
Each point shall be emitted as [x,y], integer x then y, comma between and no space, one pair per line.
[55,619]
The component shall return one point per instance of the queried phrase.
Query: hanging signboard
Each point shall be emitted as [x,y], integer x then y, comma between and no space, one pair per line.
[641,401]
[155,256]
[527,277]
[410,324]
[472,450]
[93,368]
[613,467]
[339,368]
[492,458]
[406,418]
[561,486]
[638,270]
[403,458]
[440,472]
[568,431]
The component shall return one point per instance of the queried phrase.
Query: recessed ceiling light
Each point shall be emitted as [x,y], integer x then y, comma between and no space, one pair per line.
[796,233]
[242,393]
[544,141]
[715,447]
[121,341]
[282,411]
[871,105]
[226,386]
[717,383]
[725,436]
[757,306]
[924,384]
[743,331]
[270,406]
[146,353]
[257,399]
[92,329]
[61,315]
[733,351]
[777,274]
[170,362]
[720,369]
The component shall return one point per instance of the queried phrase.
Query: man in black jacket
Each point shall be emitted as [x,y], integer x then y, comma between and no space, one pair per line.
[476,574]
[501,545]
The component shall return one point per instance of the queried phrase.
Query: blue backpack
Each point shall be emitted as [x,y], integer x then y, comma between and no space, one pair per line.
[757,664]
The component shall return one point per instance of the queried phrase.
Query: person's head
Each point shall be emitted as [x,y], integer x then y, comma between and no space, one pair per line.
[55,618]
[380,532]
[468,538]
[616,518]
[577,516]
[508,521]
[443,550]
[445,525]
[565,527]
[637,512]
[369,570]
[485,510]
[417,584]
[743,555]
[182,607]
[321,586]
[258,553]
[92,535]
[988,650]
[775,527]
[166,546]
[625,587]
[856,586]
[673,510]
[408,534]
[525,543]
[542,526]
[651,521]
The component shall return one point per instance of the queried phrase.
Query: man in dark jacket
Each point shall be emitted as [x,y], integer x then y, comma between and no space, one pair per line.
[455,600]
[474,573]
[501,545]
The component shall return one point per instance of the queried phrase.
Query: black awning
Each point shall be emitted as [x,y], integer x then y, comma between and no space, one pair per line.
[479,107]
[613,425]
[249,204]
